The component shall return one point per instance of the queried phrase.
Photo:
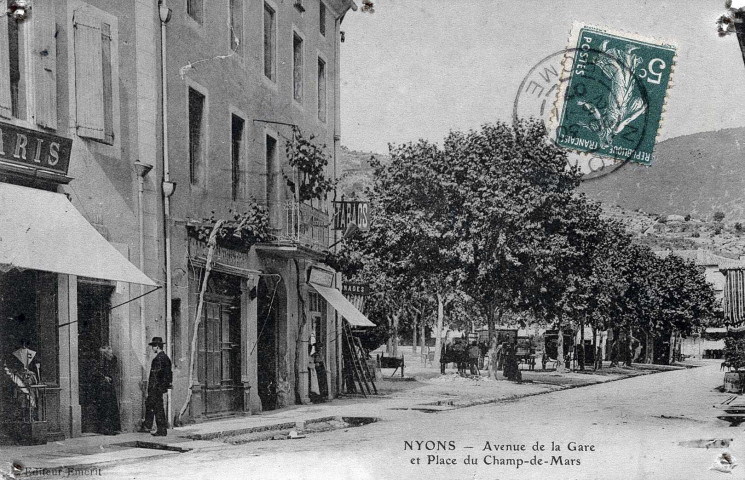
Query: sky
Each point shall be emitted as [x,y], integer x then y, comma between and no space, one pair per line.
[420,68]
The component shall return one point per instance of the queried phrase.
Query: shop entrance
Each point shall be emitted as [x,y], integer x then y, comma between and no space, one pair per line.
[94,301]
[220,346]
[18,295]
[270,321]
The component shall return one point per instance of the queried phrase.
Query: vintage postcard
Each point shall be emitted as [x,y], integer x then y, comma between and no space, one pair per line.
[372,239]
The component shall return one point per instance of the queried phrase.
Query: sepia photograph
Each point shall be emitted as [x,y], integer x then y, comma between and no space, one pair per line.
[372,239]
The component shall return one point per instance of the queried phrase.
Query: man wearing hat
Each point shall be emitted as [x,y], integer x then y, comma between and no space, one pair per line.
[159,382]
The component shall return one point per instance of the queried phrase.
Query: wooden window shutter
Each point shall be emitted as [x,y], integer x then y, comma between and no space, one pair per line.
[5,102]
[108,86]
[88,75]
[45,56]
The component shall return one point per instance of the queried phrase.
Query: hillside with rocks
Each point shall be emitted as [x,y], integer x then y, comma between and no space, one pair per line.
[676,232]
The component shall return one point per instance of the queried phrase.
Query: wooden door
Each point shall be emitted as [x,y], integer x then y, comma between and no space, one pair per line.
[219,355]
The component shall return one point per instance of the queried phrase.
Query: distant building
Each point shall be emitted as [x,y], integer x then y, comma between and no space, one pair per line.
[721,273]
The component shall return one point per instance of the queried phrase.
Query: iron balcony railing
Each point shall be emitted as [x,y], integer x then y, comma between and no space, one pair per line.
[299,224]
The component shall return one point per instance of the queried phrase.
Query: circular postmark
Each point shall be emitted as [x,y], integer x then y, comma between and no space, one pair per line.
[593,101]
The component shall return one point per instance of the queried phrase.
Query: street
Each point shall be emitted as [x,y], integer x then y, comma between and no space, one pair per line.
[624,429]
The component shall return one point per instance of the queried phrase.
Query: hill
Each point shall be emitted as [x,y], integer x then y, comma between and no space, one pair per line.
[355,172]
[696,174]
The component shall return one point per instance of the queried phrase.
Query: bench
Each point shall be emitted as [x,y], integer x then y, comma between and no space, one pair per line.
[391,362]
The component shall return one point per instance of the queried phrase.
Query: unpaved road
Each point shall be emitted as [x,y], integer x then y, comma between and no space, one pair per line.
[629,429]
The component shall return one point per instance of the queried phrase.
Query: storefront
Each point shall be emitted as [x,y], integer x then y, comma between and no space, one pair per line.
[57,278]
[223,331]
[346,362]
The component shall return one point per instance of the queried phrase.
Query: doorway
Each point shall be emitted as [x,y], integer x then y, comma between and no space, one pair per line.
[269,340]
[220,346]
[94,302]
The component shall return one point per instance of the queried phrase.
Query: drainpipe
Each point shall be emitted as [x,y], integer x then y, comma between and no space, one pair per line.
[168,188]
[142,170]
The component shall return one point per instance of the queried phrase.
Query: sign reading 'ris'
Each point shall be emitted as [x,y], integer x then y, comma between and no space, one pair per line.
[34,149]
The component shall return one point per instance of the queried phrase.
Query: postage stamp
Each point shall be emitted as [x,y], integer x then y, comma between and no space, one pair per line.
[611,101]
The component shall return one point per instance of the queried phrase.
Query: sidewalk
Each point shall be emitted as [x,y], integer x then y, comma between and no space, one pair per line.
[428,391]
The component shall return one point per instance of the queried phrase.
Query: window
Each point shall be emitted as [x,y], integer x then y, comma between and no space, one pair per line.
[272,188]
[15,64]
[236,25]
[196,137]
[195,10]
[24,74]
[93,77]
[321,90]
[270,46]
[297,67]
[322,18]
[317,309]
[237,124]
[177,329]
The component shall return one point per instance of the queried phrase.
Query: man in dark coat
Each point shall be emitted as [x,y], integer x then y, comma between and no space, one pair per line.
[106,403]
[158,383]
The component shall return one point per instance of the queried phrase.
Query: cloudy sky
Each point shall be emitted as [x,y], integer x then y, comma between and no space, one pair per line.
[419,68]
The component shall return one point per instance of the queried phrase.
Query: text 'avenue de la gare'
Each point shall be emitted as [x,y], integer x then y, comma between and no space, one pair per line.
[435,452]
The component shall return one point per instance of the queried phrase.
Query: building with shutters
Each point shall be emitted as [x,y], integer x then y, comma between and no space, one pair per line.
[123,125]
[240,77]
[77,86]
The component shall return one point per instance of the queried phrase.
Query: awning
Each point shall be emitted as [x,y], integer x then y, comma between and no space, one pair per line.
[343,306]
[41,230]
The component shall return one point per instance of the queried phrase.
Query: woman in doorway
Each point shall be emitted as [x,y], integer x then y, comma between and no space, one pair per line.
[107,405]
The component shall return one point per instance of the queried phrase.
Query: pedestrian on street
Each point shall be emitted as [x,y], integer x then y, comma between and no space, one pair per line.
[106,402]
[159,382]
[474,352]
[511,365]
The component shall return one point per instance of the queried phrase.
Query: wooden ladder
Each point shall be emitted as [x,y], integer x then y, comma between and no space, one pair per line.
[359,367]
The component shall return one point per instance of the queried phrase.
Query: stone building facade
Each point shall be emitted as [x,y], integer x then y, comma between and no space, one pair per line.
[147,161]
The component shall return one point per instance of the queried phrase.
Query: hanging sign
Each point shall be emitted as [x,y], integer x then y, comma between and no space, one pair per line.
[355,288]
[347,212]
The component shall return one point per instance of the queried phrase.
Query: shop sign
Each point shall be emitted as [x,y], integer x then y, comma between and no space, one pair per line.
[346,212]
[221,255]
[34,149]
[321,277]
[358,289]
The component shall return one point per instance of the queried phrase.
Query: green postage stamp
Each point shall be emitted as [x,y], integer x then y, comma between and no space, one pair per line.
[612,94]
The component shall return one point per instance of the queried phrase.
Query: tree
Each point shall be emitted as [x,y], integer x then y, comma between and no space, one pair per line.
[409,246]
[520,226]
[718,216]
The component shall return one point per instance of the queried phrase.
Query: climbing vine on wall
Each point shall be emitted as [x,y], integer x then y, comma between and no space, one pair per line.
[310,160]
[241,231]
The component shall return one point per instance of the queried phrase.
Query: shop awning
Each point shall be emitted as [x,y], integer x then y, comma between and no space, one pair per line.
[343,306]
[41,230]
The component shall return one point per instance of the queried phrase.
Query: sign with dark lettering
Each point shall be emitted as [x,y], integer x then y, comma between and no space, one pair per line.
[346,212]
[34,149]
[359,289]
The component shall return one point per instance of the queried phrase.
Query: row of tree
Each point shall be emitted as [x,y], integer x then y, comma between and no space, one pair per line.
[492,223]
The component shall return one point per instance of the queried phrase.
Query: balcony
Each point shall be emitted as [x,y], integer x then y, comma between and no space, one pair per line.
[296,224]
